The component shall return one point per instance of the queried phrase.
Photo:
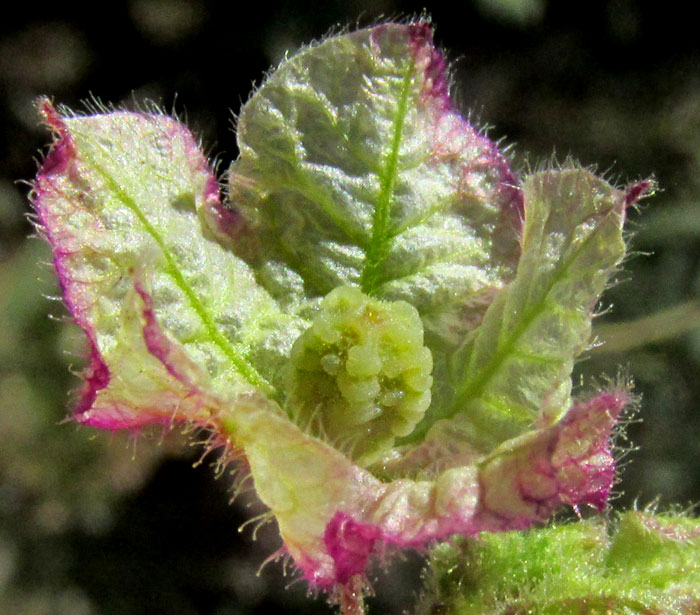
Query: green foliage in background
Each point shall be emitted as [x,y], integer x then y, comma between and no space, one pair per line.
[636,563]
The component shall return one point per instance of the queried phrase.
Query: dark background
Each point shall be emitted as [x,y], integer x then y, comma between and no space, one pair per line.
[86,530]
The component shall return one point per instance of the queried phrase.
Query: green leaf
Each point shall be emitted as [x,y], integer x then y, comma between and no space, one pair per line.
[515,368]
[133,256]
[640,564]
[356,171]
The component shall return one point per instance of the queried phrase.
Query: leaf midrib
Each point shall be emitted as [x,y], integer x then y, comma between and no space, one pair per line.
[377,250]
[468,393]
[240,364]
[464,395]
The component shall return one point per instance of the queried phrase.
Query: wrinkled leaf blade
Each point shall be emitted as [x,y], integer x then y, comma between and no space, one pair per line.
[118,198]
[355,169]
[516,366]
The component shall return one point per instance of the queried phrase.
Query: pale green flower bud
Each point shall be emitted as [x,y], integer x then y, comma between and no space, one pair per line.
[360,375]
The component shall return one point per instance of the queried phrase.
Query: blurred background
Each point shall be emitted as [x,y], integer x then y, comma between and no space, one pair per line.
[92,523]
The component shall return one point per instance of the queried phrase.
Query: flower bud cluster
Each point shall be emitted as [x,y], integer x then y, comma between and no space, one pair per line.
[360,375]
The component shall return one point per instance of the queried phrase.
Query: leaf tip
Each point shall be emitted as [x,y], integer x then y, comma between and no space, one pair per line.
[584,462]
[350,544]
[431,61]
[62,150]
[637,191]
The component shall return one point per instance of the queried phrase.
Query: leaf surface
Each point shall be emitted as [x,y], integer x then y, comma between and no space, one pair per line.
[515,367]
[119,198]
[356,170]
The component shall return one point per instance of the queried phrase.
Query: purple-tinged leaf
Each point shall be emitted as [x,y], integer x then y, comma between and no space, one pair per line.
[355,169]
[118,199]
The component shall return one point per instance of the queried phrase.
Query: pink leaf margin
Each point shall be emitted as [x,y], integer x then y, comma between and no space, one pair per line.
[61,164]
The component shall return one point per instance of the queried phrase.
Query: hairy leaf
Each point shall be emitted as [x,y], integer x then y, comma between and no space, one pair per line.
[118,198]
[650,564]
[356,170]
[516,367]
